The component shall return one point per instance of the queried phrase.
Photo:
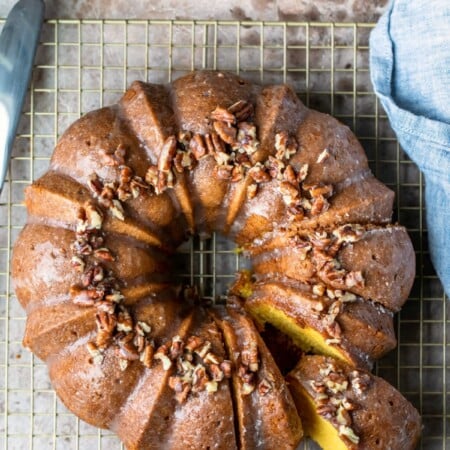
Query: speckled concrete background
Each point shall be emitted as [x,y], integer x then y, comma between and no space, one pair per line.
[298,10]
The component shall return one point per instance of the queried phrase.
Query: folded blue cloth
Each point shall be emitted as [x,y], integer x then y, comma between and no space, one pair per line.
[410,71]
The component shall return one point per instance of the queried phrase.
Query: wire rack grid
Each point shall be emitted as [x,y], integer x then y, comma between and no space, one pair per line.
[82,65]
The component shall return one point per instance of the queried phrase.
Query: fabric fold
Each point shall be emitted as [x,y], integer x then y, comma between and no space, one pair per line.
[417,101]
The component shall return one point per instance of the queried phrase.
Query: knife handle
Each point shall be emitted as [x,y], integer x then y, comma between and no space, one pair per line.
[18,43]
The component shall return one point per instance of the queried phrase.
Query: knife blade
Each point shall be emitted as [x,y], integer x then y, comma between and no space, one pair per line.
[18,44]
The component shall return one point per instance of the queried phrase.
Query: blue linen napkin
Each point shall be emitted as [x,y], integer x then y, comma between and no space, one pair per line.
[410,72]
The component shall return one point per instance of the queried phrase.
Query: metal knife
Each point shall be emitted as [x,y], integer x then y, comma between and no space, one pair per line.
[18,43]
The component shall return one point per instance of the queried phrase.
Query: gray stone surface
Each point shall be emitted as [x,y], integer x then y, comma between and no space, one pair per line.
[296,10]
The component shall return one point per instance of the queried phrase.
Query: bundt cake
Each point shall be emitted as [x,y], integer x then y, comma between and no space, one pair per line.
[346,408]
[129,350]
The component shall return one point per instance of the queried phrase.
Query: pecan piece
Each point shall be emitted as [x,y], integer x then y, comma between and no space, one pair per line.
[193,343]
[223,115]
[167,154]
[80,296]
[216,373]
[252,190]
[264,387]
[146,356]
[275,167]
[198,147]
[290,176]
[237,174]
[317,190]
[117,210]
[242,110]
[289,192]
[226,132]
[104,254]
[223,172]
[77,263]
[95,352]
[151,176]
[259,174]
[214,143]
[176,347]
[323,156]
[319,205]
[226,367]
[126,174]
[95,184]
[250,357]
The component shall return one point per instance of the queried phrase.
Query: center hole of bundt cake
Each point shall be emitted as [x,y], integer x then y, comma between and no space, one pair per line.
[209,264]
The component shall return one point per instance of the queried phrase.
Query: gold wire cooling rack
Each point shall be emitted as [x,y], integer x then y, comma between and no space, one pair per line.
[82,65]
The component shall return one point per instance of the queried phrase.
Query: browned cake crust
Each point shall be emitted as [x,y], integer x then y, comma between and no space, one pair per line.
[207,153]
[359,331]
[366,411]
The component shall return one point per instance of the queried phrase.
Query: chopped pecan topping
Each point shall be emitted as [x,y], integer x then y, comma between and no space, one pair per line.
[360,381]
[183,138]
[250,357]
[117,209]
[147,354]
[264,387]
[285,146]
[317,190]
[226,367]
[302,173]
[176,347]
[82,297]
[167,154]
[216,372]
[242,110]
[349,232]
[95,352]
[275,167]
[78,264]
[165,360]
[259,174]
[203,349]
[354,279]
[193,343]
[237,174]
[323,156]
[252,190]
[151,176]
[104,254]
[222,158]
[247,388]
[349,434]
[226,132]
[223,172]
[221,114]
[197,146]
[182,161]
[318,289]
[290,176]
[95,184]
[326,410]
[289,192]
[199,378]
[319,205]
